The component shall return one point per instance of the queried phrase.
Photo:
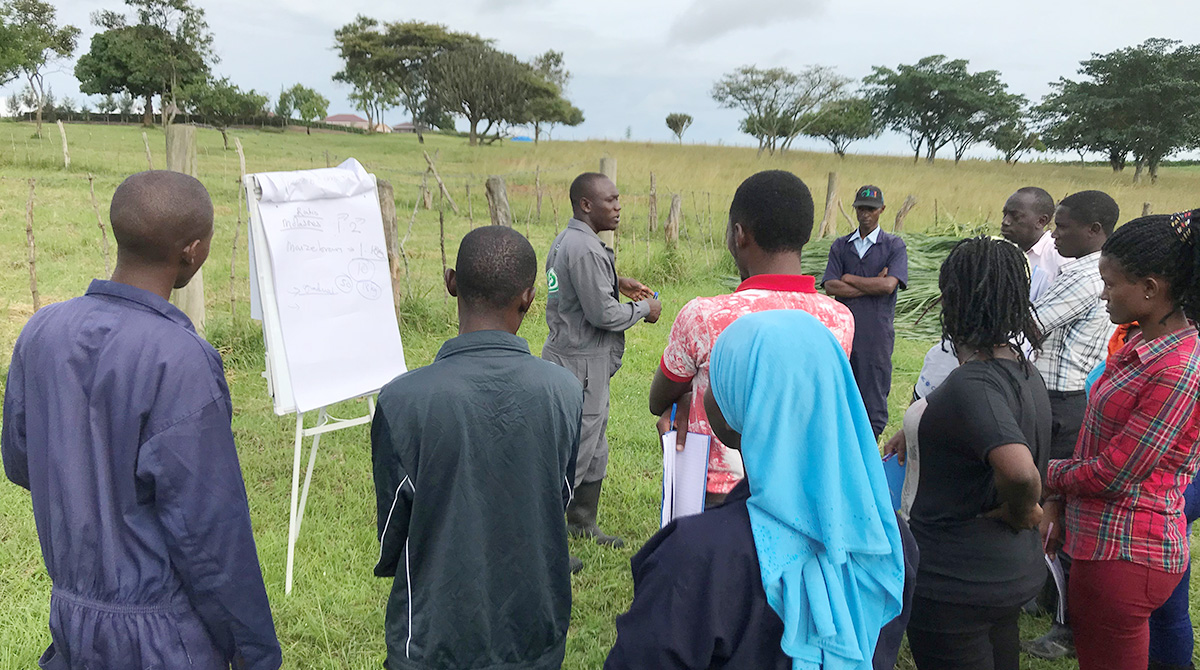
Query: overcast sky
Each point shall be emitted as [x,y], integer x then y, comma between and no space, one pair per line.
[634,62]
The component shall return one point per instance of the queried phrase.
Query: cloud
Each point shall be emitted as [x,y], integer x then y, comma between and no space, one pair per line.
[705,20]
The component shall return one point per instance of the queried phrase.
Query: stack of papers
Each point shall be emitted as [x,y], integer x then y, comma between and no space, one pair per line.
[685,476]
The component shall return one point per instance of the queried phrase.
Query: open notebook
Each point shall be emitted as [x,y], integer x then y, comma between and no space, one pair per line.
[685,476]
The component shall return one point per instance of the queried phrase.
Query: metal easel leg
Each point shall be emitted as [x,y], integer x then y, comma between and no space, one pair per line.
[292,525]
[322,419]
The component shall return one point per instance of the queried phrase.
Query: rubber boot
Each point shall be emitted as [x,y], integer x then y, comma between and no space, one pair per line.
[581,515]
[1156,665]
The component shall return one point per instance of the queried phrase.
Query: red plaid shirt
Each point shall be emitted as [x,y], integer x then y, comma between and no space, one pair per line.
[1136,453]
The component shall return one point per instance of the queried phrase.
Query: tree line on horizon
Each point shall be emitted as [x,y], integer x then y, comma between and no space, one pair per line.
[1137,103]
[163,50]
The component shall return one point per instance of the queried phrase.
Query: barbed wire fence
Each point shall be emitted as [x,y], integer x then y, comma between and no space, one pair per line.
[537,200]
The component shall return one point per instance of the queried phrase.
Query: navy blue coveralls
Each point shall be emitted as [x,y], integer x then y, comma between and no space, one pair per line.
[874,316]
[117,420]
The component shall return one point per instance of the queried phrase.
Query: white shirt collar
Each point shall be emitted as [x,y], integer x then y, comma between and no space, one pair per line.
[1044,243]
[872,238]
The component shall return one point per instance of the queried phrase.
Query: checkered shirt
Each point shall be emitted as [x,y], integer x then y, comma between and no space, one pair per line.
[1137,452]
[1075,323]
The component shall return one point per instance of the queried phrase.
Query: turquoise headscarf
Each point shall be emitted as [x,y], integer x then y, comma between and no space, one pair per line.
[826,537]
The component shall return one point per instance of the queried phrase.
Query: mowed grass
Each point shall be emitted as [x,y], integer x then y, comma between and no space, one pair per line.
[334,616]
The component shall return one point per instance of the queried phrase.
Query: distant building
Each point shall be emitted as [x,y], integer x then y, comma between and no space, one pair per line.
[406,127]
[356,121]
[351,120]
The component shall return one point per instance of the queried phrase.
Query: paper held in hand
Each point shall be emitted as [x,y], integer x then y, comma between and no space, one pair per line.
[685,476]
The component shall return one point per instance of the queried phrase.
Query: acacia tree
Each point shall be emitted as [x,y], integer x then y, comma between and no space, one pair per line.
[935,102]
[10,55]
[37,40]
[552,108]
[1014,139]
[986,106]
[679,123]
[1138,100]
[220,103]
[481,83]
[309,105]
[107,105]
[167,50]
[841,122]
[284,106]
[774,99]
[389,62]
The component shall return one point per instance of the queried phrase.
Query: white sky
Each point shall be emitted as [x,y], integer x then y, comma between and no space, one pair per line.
[635,61]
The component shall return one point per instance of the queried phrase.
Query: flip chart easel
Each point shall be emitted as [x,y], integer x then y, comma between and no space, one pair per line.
[316,246]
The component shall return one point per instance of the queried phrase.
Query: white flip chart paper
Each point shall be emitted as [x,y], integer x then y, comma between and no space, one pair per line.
[332,287]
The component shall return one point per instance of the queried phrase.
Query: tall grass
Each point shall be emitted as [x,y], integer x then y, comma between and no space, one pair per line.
[334,617]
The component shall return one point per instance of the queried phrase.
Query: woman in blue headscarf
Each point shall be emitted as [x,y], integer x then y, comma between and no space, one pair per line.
[804,564]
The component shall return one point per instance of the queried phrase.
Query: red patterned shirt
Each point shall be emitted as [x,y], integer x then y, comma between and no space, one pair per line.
[700,322]
[1136,454]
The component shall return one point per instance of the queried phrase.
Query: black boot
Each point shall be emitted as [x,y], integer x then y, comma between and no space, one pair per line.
[581,515]
[1156,665]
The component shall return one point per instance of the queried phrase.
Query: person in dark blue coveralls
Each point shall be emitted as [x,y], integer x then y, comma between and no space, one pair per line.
[865,270]
[805,565]
[117,420]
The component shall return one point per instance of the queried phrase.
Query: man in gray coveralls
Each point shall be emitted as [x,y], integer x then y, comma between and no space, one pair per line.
[587,321]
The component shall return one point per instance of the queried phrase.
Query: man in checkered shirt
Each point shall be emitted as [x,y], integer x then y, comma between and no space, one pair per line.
[1077,330]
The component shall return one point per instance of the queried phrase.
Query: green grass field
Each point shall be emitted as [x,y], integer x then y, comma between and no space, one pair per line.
[334,616]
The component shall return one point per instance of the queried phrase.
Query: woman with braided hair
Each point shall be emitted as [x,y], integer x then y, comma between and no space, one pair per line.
[984,441]
[1119,499]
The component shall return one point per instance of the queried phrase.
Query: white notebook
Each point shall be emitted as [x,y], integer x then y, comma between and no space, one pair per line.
[685,476]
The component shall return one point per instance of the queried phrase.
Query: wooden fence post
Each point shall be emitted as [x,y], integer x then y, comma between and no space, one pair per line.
[652,217]
[608,167]
[62,131]
[909,203]
[829,221]
[537,185]
[33,289]
[442,243]
[853,224]
[442,186]
[100,222]
[426,194]
[237,143]
[470,208]
[497,198]
[181,157]
[391,236]
[403,252]
[673,217]
[149,158]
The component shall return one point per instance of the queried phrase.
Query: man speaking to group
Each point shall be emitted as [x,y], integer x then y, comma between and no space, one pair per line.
[587,322]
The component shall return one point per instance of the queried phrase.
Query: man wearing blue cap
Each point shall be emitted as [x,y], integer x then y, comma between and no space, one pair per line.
[865,270]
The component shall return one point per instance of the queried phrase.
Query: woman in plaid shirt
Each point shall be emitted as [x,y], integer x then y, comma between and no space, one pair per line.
[1122,493]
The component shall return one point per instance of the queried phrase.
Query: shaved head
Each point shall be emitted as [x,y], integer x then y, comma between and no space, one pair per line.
[584,186]
[158,213]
